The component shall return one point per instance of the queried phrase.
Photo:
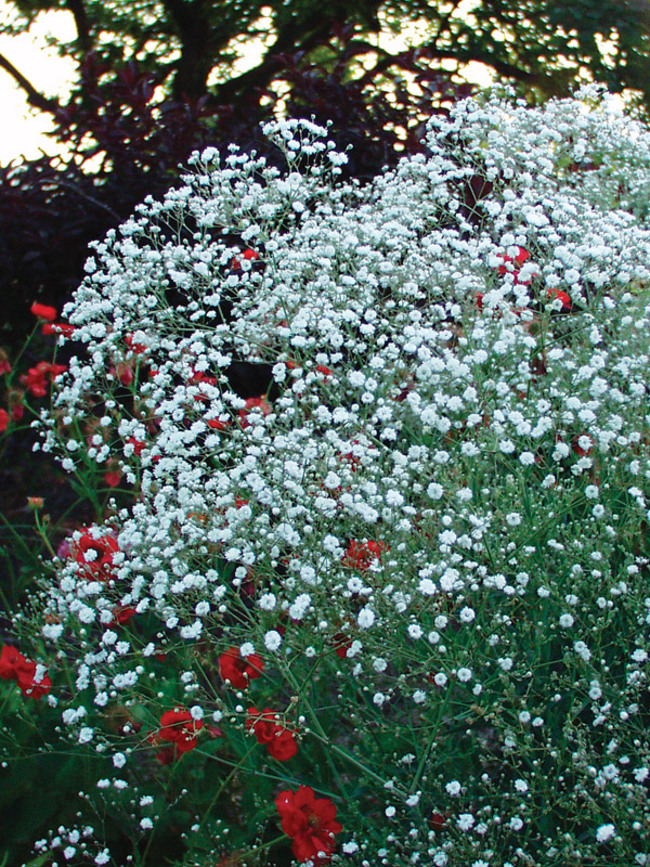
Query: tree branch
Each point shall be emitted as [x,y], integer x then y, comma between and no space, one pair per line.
[84,38]
[83,195]
[33,96]
[262,74]
[462,55]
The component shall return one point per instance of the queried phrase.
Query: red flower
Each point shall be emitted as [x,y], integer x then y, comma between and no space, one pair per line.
[253,403]
[36,377]
[279,741]
[138,446]
[179,728]
[202,376]
[43,311]
[518,261]
[14,666]
[250,255]
[310,821]
[342,643]
[32,683]
[552,294]
[437,821]
[137,348]
[58,328]
[361,554]
[113,475]
[95,556]
[11,661]
[238,669]
[125,373]
[122,615]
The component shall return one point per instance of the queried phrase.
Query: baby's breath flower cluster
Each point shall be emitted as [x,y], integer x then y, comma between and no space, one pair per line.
[382,473]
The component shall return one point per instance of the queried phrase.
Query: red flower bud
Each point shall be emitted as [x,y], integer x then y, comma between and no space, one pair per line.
[43,311]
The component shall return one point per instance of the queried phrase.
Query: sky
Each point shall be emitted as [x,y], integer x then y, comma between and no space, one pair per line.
[24,129]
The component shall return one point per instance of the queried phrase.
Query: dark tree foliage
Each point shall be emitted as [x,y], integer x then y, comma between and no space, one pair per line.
[51,208]
[542,44]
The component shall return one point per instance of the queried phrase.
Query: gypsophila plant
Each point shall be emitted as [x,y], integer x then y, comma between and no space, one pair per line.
[373,585]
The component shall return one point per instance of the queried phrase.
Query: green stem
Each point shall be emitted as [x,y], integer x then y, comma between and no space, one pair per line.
[166,792]
[41,532]
[223,785]
[260,848]
[322,735]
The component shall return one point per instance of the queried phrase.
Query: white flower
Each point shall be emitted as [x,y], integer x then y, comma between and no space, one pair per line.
[604,833]
[350,848]
[272,640]
[86,734]
[300,606]
[267,601]
[365,618]
[465,821]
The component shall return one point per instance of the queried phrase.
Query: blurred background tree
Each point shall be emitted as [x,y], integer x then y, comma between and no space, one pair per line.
[157,78]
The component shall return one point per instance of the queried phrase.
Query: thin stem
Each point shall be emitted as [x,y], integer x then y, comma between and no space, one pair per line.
[223,785]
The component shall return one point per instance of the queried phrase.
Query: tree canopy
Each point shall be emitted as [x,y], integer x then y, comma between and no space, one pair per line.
[189,45]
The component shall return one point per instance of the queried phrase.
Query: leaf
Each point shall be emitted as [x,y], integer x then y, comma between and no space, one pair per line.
[36,862]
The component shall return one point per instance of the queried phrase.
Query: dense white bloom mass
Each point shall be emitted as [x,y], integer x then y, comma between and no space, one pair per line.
[355,416]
